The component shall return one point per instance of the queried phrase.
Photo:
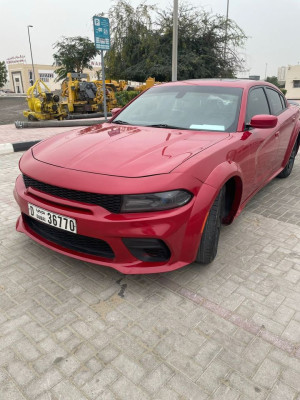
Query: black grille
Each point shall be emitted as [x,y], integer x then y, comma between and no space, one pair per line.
[68,240]
[111,202]
[148,249]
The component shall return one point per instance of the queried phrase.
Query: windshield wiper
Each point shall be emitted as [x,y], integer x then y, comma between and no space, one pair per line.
[119,121]
[165,126]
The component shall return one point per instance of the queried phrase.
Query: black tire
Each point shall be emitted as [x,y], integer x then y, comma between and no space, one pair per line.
[210,237]
[289,166]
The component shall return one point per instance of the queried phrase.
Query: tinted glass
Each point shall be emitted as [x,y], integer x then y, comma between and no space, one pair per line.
[257,104]
[275,102]
[210,108]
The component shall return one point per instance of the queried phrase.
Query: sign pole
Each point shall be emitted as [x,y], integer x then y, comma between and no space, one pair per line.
[102,42]
[103,85]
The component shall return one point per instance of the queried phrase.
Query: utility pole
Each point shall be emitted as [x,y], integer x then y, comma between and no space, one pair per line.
[175,41]
[226,29]
[33,74]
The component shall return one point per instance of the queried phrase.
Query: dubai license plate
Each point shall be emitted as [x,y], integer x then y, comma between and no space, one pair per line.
[52,219]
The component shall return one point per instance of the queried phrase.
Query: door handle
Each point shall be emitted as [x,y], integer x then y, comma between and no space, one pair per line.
[294,118]
[277,133]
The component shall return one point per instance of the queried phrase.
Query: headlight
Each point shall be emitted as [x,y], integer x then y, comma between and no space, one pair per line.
[155,201]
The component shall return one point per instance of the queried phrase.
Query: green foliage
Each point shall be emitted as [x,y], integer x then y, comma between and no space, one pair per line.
[284,91]
[273,80]
[3,74]
[142,43]
[73,54]
[125,97]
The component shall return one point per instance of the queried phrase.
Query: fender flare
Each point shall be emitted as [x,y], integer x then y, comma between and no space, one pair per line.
[217,179]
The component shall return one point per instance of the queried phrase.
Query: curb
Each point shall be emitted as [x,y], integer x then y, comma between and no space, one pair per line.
[7,148]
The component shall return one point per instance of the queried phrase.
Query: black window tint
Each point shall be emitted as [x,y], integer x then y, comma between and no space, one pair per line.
[283,102]
[257,104]
[275,102]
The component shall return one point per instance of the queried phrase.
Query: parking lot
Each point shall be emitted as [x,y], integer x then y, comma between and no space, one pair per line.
[231,330]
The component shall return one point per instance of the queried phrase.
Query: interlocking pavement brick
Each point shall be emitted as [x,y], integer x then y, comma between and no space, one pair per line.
[21,373]
[99,383]
[292,331]
[186,388]
[43,384]
[291,378]
[126,390]
[281,391]
[246,386]
[157,378]
[215,373]
[129,368]
[267,373]
[27,350]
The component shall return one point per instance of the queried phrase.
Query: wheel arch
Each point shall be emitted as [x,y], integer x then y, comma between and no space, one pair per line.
[229,175]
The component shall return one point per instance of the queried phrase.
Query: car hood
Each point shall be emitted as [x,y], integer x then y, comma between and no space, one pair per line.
[129,151]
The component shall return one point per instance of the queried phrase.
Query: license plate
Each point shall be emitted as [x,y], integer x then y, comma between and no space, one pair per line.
[52,219]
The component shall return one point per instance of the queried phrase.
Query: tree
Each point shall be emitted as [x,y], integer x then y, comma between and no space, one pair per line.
[73,55]
[142,43]
[3,74]
[273,80]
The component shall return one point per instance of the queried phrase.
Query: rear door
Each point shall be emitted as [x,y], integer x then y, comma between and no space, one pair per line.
[286,122]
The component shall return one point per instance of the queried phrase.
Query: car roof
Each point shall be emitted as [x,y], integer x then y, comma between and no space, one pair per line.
[239,83]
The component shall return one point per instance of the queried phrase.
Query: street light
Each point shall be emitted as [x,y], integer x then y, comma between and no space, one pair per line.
[175,41]
[226,27]
[33,74]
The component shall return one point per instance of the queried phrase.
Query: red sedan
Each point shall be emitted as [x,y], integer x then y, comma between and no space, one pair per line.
[148,191]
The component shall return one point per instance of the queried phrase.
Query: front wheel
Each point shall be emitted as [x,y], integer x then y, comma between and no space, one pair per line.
[289,166]
[210,237]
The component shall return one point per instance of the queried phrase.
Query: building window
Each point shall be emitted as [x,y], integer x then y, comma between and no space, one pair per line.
[296,84]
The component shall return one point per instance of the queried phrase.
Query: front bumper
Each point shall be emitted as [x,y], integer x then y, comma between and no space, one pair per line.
[179,229]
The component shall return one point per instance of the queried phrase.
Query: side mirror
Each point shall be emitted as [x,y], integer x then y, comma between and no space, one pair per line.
[115,111]
[263,121]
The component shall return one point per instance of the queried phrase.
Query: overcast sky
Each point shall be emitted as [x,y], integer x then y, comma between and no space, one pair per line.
[271,25]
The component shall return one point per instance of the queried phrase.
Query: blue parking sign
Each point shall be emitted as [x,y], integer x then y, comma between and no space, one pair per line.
[101,33]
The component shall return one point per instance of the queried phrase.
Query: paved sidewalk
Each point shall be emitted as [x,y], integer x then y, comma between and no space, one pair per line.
[229,331]
[9,135]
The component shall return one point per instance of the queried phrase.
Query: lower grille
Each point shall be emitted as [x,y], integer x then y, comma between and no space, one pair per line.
[68,240]
[148,249]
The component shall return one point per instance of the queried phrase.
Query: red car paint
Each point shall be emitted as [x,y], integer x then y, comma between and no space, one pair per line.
[121,159]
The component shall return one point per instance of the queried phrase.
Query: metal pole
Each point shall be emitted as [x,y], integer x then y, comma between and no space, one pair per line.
[33,74]
[226,28]
[103,85]
[175,41]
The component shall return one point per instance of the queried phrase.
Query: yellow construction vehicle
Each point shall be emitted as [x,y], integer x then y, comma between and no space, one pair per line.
[42,104]
[82,95]
[111,88]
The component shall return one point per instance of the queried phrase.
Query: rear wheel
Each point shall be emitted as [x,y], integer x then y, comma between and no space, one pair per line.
[289,166]
[210,237]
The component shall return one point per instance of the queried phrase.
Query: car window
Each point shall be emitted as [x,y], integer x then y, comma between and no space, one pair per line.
[193,107]
[275,101]
[257,104]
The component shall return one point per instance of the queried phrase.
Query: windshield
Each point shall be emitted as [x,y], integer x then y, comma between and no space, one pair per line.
[209,108]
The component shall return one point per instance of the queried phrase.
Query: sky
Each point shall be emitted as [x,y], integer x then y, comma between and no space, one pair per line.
[272,27]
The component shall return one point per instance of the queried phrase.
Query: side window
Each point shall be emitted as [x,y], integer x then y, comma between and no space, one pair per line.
[283,102]
[275,102]
[257,104]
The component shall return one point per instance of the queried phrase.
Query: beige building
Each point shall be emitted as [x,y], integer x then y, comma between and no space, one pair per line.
[21,76]
[292,82]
